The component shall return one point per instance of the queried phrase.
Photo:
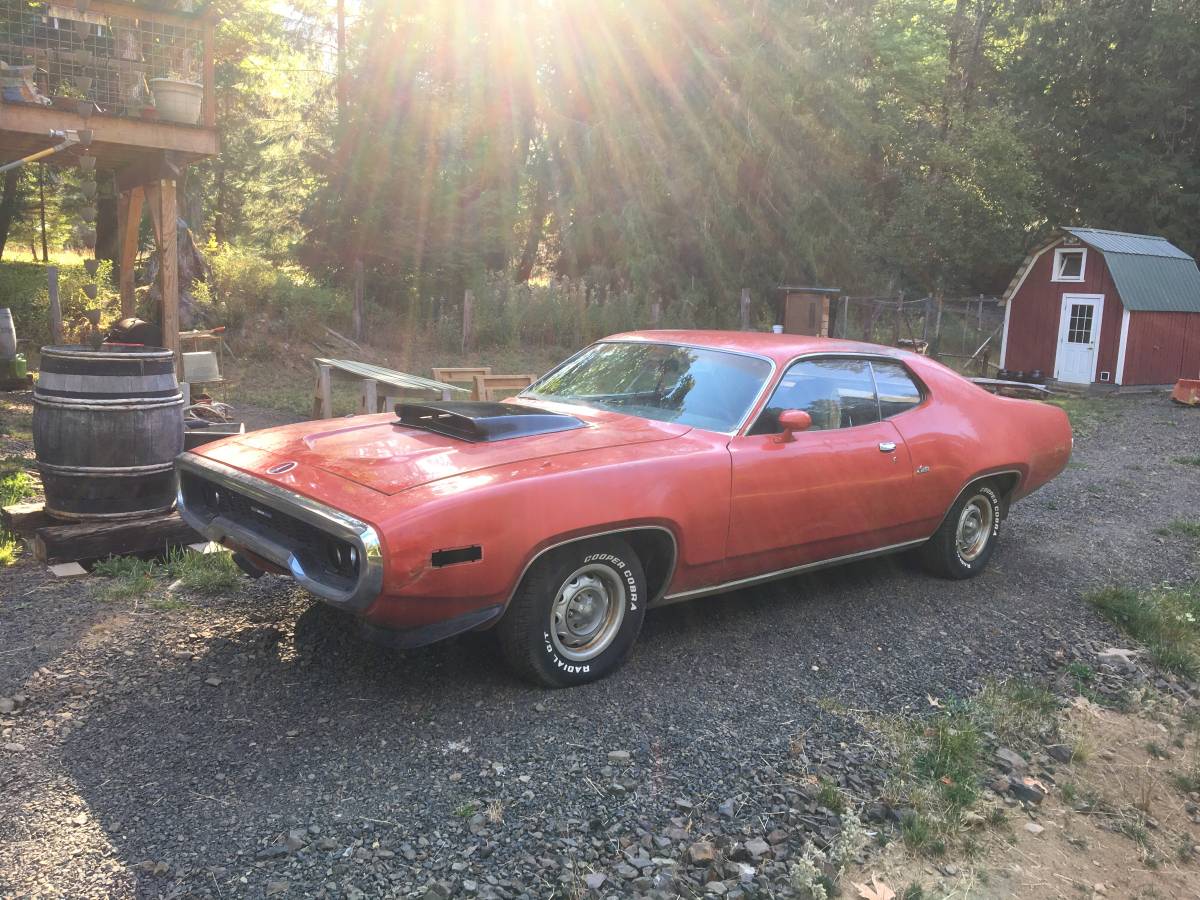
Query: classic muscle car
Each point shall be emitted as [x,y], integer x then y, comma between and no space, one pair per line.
[649,468]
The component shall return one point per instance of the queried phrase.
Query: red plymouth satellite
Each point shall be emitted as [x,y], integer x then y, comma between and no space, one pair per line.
[649,468]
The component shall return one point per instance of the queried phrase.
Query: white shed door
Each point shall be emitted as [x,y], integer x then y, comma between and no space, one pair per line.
[1078,337]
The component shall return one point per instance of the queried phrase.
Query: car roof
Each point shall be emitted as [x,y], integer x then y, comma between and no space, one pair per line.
[779,347]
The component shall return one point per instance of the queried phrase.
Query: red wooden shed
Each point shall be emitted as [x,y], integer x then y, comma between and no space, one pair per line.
[1104,307]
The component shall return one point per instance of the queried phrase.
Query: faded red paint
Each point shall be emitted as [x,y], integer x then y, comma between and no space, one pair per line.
[1160,347]
[737,505]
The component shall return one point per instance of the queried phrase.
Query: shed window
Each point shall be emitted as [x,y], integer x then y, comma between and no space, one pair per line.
[1068,264]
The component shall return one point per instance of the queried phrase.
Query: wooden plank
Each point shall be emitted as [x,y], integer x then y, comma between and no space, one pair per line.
[24,518]
[386,376]
[116,140]
[78,541]
[129,219]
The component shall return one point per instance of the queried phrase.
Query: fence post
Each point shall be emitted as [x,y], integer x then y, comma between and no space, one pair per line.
[744,309]
[359,315]
[937,329]
[56,329]
[845,329]
[468,304]
[655,313]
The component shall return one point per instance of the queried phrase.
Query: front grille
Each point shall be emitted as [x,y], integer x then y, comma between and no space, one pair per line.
[325,557]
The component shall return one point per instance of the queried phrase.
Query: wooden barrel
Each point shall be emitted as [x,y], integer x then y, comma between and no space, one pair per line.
[107,426]
[8,334]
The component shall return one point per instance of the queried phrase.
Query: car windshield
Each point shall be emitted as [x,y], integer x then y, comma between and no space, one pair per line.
[709,389]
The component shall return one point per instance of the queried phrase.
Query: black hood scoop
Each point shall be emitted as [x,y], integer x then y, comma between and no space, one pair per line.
[480,422]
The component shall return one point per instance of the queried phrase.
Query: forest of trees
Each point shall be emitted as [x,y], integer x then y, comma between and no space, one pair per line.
[683,149]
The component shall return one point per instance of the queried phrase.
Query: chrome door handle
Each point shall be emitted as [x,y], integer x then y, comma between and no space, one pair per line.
[887,446]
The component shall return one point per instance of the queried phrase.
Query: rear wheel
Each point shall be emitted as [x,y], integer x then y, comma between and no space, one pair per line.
[577,613]
[964,543]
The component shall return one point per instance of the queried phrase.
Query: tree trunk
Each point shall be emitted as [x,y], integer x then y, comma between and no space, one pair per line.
[9,205]
[533,241]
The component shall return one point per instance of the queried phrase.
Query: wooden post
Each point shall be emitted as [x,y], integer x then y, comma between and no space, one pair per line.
[468,304]
[359,314]
[845,329]
[323,395]
[655,313]
[370,397]
[937,330]
[129,218]
[744,310]
[168,264]
[56,329]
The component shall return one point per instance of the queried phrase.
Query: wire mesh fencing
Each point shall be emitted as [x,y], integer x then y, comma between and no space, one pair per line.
[962,332]
[104,54]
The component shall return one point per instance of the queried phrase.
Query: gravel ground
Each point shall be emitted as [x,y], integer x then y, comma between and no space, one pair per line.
[251,745]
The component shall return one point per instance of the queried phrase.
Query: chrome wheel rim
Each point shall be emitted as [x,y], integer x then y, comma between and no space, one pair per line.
[974,527]
[587,612]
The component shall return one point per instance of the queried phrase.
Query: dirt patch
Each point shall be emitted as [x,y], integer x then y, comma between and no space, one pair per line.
[1123,820]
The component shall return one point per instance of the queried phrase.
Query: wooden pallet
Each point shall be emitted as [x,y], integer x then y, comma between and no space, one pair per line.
[54,542]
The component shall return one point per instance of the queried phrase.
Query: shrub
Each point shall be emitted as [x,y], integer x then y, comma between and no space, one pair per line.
[246,286]
[25,289]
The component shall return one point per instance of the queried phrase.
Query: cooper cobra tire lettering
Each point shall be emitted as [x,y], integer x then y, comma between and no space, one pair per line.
[527,632]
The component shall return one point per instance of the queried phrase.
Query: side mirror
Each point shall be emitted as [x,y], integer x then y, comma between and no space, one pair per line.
[791,421]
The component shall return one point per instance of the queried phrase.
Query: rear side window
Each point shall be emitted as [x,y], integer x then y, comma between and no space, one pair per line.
[897,391]
[836,392]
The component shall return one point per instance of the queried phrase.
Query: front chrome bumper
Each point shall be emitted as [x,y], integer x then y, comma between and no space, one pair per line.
[257,534]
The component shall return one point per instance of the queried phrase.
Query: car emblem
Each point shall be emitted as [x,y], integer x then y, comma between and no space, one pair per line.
[281,468]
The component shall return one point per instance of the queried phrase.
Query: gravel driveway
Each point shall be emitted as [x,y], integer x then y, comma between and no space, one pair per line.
[252,745]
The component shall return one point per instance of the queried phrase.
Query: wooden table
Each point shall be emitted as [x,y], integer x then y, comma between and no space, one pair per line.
[372,377]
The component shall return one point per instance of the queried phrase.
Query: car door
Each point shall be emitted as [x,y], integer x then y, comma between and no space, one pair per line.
[836,489]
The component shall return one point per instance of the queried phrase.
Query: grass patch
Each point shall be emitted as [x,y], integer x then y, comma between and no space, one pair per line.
[1086,413]
[1188,461]
[197,573]
[830,797]
[203,573]
[16,485]
[1166,619]
[941,761]
[1189,528]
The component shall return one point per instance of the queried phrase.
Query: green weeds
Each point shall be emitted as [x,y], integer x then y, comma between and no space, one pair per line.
[1166,619]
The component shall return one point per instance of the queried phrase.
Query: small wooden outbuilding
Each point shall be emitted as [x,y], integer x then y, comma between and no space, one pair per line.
[1104,307]
[805,310]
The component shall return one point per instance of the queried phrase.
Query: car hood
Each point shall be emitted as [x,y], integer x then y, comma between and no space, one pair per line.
[376,452]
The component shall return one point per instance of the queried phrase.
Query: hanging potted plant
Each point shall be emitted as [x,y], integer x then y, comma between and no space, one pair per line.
[178,97]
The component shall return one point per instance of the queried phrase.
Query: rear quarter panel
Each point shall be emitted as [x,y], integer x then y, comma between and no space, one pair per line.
[963,432]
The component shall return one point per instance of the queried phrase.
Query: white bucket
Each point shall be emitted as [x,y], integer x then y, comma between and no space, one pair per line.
[8,334]
[200,367]
[177,101]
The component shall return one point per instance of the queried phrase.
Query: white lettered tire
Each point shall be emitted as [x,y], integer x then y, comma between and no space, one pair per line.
[964,543]
[577,613]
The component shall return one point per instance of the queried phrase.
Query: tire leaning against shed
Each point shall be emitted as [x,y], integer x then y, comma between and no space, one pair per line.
[107,426]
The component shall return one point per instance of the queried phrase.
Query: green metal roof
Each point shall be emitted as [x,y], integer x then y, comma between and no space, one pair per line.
[1151,273]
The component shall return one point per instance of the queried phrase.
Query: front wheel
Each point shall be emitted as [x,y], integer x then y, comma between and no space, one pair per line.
[964,543]
[577,613]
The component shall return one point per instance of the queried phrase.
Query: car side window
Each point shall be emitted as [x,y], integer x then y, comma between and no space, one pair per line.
[837,392]
[897,390]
